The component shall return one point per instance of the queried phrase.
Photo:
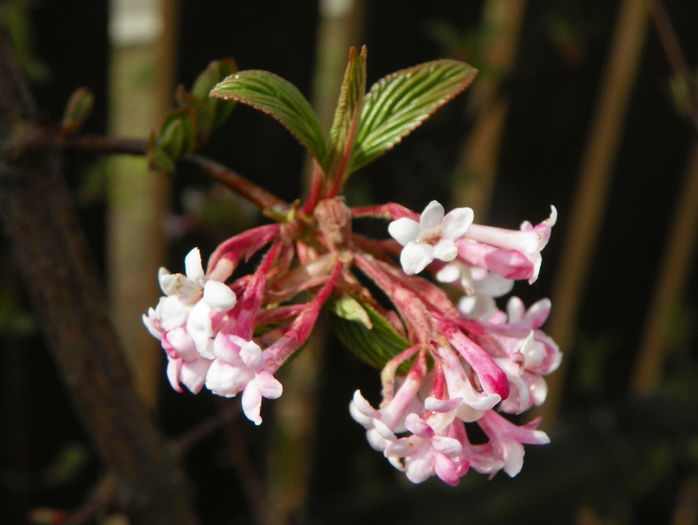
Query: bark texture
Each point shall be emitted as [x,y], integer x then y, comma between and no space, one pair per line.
[54,260]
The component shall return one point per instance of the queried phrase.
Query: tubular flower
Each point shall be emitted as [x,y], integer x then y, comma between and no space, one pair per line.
[445,366]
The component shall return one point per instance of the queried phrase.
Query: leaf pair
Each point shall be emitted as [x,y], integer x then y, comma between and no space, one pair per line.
[366,125]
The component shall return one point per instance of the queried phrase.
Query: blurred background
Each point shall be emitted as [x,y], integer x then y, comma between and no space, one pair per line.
[590,106]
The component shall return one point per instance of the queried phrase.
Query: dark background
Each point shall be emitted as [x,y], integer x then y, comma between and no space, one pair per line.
[614,458]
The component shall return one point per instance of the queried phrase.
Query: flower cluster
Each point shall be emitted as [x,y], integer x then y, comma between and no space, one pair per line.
[463,363]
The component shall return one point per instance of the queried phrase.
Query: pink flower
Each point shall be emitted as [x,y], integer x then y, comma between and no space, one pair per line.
[431,238]
[507,440]
[239,367]
[528,241]
[429,451]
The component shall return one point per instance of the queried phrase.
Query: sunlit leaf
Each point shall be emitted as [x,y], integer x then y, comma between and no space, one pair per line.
[400,102]
[279,98]
[346,116]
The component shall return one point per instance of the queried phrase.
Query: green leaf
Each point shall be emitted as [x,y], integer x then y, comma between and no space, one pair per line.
[158,159]
[215,111]
[366,333]
[400,102]
[346,116]
[177,134]
[279,98]
[77,110]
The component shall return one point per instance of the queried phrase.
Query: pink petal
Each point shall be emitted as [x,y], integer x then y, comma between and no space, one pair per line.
[418,427]
[449,469]
[268,385]
[174,365]
[446,445]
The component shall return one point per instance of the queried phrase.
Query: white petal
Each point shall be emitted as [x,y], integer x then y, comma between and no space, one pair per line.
[199,325]
[445,250]
[415,257]
[252,403]
[226,380]
[449,273]
[420,467]
[494,285]
[251,355]
[193,267]
[165,279]
[431,216]
[456,223]
[446,445]
[403,230]
[219,296]
[172,312]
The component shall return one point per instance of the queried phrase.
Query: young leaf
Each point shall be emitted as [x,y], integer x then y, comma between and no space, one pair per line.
[376,345]
[400,102]
[346,116]
[77,110]
[279,98]
[215,110]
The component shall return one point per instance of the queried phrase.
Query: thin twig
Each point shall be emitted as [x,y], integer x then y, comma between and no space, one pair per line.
[675,56]
[101,495]
[240,185]
[183,443]
[236,182]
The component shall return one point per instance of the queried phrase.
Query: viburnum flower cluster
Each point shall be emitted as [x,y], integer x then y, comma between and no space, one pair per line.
[451,361]
[464,362]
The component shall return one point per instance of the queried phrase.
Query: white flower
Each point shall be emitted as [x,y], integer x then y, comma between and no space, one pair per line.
[432,237]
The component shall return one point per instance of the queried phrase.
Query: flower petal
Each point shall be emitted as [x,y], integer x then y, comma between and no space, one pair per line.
[268,385]
[445,250]
[219,296]
[431,216]
[193,267]
[403,230]
[456,223]
[252,403]
[415,257]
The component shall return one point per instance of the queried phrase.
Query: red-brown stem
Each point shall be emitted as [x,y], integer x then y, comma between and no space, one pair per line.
[390,211]
[316,186]
[237,183]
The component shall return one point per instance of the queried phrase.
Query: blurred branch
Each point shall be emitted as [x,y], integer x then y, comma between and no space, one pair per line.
[476,169]
[141,84]
[672,277]
[184,442]
[101,496]
[57,269]
[229,178]
[591,194]
[675,57]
